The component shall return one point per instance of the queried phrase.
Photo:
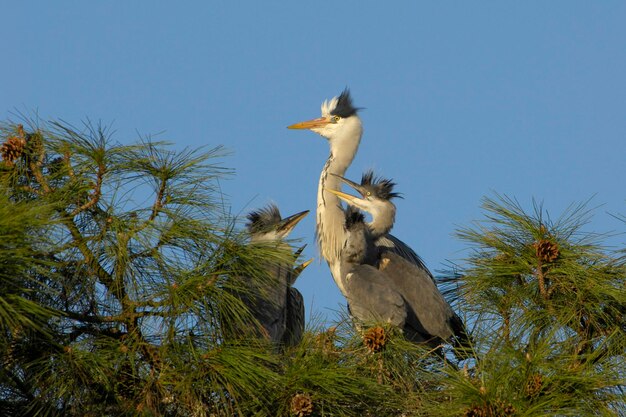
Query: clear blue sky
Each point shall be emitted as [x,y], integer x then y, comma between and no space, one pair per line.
[524,98]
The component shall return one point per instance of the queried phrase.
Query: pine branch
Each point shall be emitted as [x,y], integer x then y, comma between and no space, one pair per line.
[90,259]
[97,192]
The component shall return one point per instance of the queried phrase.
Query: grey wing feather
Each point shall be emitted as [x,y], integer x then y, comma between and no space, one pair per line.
[390,243]
[270,315]
[422,295]
[294,326]
[372,298]
[266,299]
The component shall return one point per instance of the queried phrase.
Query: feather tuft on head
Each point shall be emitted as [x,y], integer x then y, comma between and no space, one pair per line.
[380,187]
[353,217]
[263,219]
[339,106]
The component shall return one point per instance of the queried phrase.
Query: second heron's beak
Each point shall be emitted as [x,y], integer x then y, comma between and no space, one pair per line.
[287,224]
[310,124]
[357,187]
[343,196]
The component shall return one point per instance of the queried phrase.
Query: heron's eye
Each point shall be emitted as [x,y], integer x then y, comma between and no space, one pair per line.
[369,193]
[334,119]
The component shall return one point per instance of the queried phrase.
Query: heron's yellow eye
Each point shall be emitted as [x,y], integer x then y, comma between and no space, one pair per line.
[369,193]
[334,119]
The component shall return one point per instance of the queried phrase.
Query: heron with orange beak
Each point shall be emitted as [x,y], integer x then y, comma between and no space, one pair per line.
[341,126]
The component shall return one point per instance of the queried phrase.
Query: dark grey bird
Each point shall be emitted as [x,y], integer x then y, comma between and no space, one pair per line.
[429,317]
[341,126]
[277,306]
[371,298]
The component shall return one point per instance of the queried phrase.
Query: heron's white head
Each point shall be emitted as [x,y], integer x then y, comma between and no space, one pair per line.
[339,123]
[375,199]
[377,207]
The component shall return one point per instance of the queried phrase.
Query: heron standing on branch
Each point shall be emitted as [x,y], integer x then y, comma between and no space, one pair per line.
[278,307]
[342,127]
[428,316]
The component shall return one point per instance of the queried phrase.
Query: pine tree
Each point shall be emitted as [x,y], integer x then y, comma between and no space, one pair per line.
[133,262]
[547,302]
[123,280]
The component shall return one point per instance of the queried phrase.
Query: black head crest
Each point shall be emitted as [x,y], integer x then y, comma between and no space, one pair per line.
[380,187]
[353,217]
[263,219]
[344,107]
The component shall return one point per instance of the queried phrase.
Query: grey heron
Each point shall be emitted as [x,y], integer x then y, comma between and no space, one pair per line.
[371,298]
[429,317]
[278,307]
[342,127]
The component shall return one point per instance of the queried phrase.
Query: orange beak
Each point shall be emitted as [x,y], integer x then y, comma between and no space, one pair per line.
[343,196]
[310,124]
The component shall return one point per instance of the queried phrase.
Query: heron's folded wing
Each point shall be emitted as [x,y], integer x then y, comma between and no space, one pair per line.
[373,298]
[390,243]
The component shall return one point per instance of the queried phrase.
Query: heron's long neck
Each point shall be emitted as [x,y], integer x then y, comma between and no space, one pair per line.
[382,221]
[331,232]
